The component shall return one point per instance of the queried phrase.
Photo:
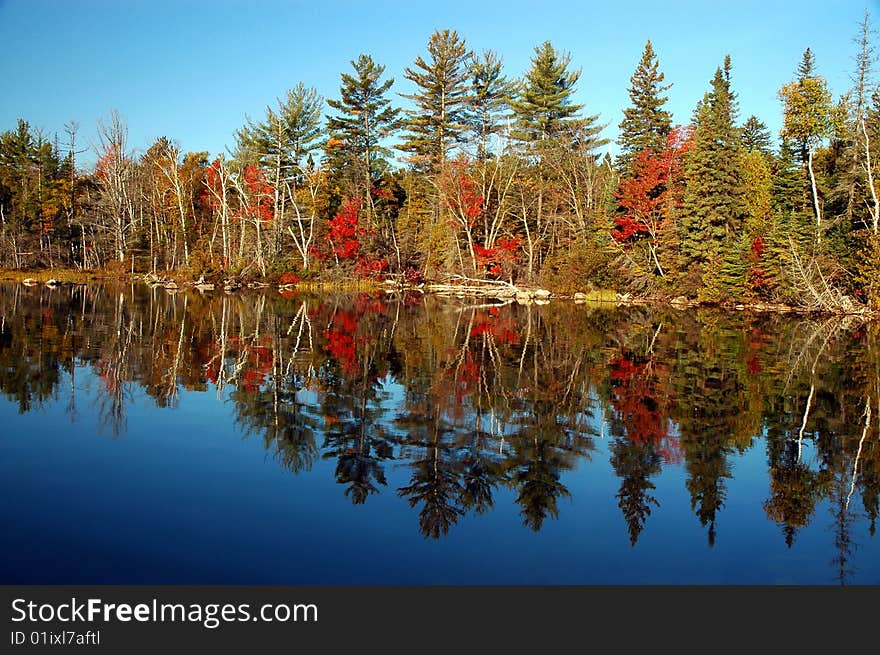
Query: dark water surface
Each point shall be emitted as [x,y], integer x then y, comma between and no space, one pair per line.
[147,437]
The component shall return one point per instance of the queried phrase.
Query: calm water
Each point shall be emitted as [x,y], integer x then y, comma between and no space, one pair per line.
[157,438]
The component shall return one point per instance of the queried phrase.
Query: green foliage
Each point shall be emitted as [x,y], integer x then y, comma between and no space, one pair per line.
[645,123]
[489,102]
[725,276]
[584,266]
[714,208]
[740,222]
[867,276]
[756,137]
[439,121]
[543,106]
[289,133]
[364,120]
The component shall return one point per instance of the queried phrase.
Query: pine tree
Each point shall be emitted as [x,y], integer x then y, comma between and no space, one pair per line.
[439,120]
[714,210]
[543,108]
[365,118]
[645,124]
[289,133]
[489,102]
[282,147]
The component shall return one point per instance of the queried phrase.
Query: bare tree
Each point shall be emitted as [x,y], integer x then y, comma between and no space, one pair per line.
[115,174]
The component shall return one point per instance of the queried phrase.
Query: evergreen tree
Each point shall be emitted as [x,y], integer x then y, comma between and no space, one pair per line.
[713,208]
[287,136]
[543,108]
[439,119]
[645,124]
[490,100]
[756,137]
[282,145]
[365,118]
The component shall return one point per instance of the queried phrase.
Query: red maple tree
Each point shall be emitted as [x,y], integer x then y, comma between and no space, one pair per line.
[649,196]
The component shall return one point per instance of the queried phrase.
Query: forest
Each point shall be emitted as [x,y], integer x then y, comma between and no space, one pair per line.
[482,176]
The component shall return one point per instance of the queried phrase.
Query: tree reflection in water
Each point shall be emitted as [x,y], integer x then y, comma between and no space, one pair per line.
[473,399]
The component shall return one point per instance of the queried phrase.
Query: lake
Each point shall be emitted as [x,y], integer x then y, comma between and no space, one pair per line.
[181,438]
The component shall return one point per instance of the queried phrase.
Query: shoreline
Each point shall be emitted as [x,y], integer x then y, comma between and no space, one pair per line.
[455,288]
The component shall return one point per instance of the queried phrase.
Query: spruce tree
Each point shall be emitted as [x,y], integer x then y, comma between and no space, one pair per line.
[543,108]
[365,117]
[756,136]
[645,124]
[439,119]
[714,209]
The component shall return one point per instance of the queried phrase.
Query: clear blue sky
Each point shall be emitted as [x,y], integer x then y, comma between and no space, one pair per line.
[192,69]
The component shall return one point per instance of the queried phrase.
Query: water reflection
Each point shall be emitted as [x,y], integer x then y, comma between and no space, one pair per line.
[469,400]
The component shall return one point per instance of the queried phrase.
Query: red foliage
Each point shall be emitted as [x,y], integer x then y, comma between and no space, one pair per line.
[260,196]
[636,396]
[213,186]
[460,191]
[288,278]
[643,198]
[382,194]
[107,162]
[503,331]
[653,190]
[466,377]
[368,304]
[757,338]
[413,276]
[498,259]
[368,267]
[757,276]
[344,231]
[340,340]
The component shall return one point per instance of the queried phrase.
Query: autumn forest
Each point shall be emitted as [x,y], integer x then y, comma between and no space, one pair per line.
[482,176]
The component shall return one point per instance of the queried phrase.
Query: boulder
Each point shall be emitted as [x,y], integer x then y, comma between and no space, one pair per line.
[29,282]
[52,282]
[580,295]
[541,293]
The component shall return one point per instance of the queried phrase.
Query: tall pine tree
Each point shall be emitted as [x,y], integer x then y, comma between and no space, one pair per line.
[439,119]
[489,101]
[543,108]
[645,124]
[365,117]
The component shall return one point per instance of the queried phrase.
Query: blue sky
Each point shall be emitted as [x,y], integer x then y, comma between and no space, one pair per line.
[192,69]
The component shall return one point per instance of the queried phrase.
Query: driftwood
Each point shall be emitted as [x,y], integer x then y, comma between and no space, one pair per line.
[468,286]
